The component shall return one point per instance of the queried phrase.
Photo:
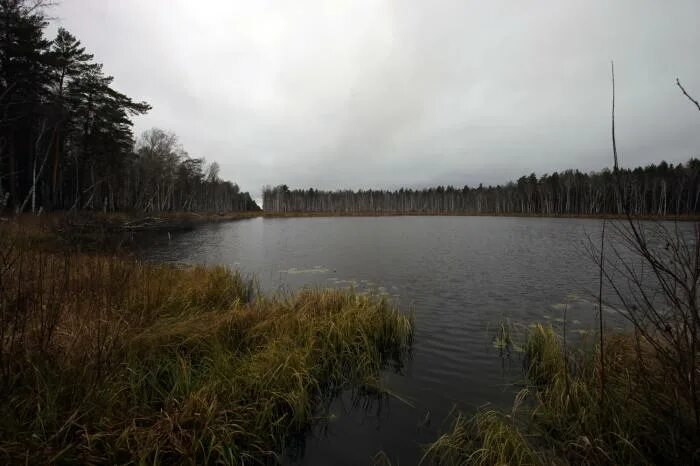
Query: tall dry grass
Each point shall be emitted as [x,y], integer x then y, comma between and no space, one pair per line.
[110,360]
[560,418]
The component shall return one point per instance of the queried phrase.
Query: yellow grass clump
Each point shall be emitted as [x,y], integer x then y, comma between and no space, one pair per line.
[110,360]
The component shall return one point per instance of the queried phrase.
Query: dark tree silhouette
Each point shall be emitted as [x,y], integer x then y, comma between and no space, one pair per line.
[66,139]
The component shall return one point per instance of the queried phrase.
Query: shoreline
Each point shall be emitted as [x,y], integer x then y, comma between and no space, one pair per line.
[102,232]
[128,221]
[131,222]
[680,218]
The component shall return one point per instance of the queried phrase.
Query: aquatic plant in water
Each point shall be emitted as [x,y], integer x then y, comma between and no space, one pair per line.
[560,418]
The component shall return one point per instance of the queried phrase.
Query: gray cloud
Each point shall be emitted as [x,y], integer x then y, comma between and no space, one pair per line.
[382,94]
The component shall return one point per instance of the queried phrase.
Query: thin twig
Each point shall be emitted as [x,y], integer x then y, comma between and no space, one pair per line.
[612,67]
[600,314]
[697,104]
[602,249]
[566,356]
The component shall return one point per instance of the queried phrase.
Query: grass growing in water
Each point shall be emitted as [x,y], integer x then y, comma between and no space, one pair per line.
[109,360]
[560,418]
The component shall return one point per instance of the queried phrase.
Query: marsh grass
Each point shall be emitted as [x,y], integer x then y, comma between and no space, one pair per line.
[110,360]
[560,417]
[487,438]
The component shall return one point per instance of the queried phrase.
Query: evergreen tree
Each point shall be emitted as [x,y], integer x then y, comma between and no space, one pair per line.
[66,139]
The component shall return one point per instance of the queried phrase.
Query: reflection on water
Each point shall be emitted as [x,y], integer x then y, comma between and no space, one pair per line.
[462,276]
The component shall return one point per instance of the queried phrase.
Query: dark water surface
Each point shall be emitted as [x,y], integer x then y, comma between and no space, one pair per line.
[462,276]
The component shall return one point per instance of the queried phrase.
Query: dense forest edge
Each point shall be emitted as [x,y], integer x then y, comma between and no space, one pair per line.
[653,191]
[66,139]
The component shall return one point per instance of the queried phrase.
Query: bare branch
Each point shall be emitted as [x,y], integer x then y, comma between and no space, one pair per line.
[612,68]
[697,104]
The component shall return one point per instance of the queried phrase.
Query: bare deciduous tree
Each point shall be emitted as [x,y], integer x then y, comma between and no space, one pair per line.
[653,268]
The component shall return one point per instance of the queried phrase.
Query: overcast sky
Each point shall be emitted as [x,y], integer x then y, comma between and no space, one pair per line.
[357,94]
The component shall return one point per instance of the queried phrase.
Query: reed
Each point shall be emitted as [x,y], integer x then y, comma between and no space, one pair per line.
[487,438]
[559,418]
[110,360]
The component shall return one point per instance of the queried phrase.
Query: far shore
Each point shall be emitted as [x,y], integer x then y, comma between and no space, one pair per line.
[682,218]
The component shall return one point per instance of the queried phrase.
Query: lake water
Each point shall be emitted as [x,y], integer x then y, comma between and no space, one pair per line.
[461,276]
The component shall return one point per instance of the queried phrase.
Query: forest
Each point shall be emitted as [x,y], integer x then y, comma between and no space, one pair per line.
[654,190]
[66,137]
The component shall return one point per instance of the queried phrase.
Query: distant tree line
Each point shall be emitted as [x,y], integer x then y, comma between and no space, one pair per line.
[66,139]
[663,189]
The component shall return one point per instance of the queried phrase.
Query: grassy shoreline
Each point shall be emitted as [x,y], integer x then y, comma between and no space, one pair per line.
[105,359]
[115,222]
[104,232]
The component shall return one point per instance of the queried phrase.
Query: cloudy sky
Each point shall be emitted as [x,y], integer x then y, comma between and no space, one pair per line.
[360,93]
